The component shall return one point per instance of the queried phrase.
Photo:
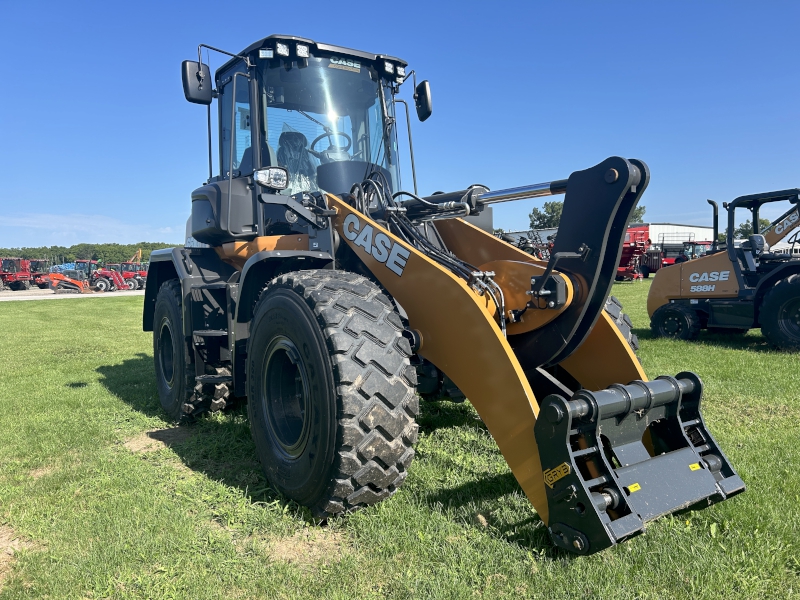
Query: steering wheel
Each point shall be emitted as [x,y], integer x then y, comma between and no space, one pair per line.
[331,148]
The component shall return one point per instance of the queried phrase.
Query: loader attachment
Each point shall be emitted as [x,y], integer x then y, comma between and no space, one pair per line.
[516,333]
[603,482]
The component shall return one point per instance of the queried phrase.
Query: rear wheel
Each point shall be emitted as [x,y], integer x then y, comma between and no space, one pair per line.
[780,314]
[675,321]
[330,391]
[102,284]
[173,360]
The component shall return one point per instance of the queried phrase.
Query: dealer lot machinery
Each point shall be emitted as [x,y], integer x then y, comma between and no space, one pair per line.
[735,287]
[316,288]
[15,274]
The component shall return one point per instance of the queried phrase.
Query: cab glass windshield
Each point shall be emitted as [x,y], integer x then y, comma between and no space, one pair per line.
[326,110]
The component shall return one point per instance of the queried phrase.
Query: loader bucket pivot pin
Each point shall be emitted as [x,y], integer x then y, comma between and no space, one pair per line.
[615,459]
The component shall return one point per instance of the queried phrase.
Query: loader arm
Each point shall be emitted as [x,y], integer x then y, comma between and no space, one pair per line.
[507,373]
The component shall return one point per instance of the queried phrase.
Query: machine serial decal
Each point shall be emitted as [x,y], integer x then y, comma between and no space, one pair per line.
[345,64]
[382,249]
[553,475]
[712,276]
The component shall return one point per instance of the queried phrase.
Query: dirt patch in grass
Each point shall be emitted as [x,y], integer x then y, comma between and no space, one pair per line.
[10,544]
[309,548]
[151,441]
[41,472]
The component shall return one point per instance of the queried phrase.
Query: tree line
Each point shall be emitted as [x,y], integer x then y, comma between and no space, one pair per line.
[104,253]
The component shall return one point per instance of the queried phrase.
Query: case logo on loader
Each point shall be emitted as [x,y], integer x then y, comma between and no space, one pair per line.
[346,64]
[556,473]
[382,249]
[712,276]
[788,223]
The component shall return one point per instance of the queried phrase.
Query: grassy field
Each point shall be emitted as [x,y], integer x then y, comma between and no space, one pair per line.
[95,506]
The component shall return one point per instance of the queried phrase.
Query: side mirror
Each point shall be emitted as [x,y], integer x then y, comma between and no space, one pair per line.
[422,100]
[197,84]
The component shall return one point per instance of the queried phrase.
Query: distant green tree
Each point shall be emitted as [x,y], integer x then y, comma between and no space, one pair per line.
[638,214]
[745,230]
[105,253]
[550,215]
[547,218]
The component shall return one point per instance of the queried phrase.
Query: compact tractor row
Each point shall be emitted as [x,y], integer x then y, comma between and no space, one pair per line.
[313,285]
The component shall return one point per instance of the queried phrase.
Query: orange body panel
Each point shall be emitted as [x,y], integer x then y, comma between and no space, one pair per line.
[237,253]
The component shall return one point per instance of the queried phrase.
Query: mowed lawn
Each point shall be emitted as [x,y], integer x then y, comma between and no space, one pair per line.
[94,506]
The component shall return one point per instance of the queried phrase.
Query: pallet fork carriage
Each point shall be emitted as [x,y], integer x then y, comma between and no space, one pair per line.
[327,308]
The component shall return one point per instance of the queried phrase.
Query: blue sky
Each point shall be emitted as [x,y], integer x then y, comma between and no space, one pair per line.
[98,144]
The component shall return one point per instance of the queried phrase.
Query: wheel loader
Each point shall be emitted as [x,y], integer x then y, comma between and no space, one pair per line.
[736,286]
[318,289]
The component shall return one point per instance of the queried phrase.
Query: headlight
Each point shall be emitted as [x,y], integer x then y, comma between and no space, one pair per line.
[276,178]
[401,71]
[388,67]
[302,50]
[282,49]
[265,53]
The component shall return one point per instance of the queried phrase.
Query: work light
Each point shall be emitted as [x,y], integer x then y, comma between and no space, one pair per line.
[388,67]
[282,49]
[302,50]
[276,178]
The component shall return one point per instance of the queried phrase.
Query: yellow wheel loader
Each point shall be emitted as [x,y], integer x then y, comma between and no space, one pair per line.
[315,287]
[737,285]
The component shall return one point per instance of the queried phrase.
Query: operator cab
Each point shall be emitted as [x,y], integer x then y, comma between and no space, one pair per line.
[296,118]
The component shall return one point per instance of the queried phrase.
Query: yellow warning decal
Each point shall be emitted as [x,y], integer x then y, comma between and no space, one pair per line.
[556,473]
[634,487]
[694,466]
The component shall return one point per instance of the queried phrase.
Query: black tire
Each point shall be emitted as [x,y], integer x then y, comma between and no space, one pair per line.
[171,353]
[102,284]
[675,321]
[131,283]
[644,271]
[140,283]
[43,286]
[331,398]
[25,285]
[623,322]
[780,314]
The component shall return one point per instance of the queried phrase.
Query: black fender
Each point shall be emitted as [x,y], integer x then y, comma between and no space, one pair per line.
[163,266]
[767,282]
[193,267]
[261,268]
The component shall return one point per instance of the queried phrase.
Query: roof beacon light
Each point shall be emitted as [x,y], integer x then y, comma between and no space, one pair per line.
[388,67]
[282,49]
[302,50]
[265,53]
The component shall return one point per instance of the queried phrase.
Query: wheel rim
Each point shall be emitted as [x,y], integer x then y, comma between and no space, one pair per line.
[672,325]
[789,318]
[132,285]
[285,396]
[166,355]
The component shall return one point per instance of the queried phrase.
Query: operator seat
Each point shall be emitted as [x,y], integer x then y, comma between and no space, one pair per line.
[246,166]
[751,250]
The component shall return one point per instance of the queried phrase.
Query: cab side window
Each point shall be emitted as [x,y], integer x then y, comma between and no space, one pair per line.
[234,116]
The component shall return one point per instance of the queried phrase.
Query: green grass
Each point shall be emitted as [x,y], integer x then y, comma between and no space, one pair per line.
[196,519]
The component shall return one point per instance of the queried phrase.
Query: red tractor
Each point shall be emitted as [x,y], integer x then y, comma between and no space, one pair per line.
[633,251]
[40,272]
[130,273]
[15,273]
[101,279]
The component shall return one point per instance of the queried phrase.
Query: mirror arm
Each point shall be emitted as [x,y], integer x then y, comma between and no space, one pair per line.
[410,144]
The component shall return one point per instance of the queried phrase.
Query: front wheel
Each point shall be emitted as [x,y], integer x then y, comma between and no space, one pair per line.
[780,314]
[102,284]
[131,283]
[173,361]
[331,398]
[675,321]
